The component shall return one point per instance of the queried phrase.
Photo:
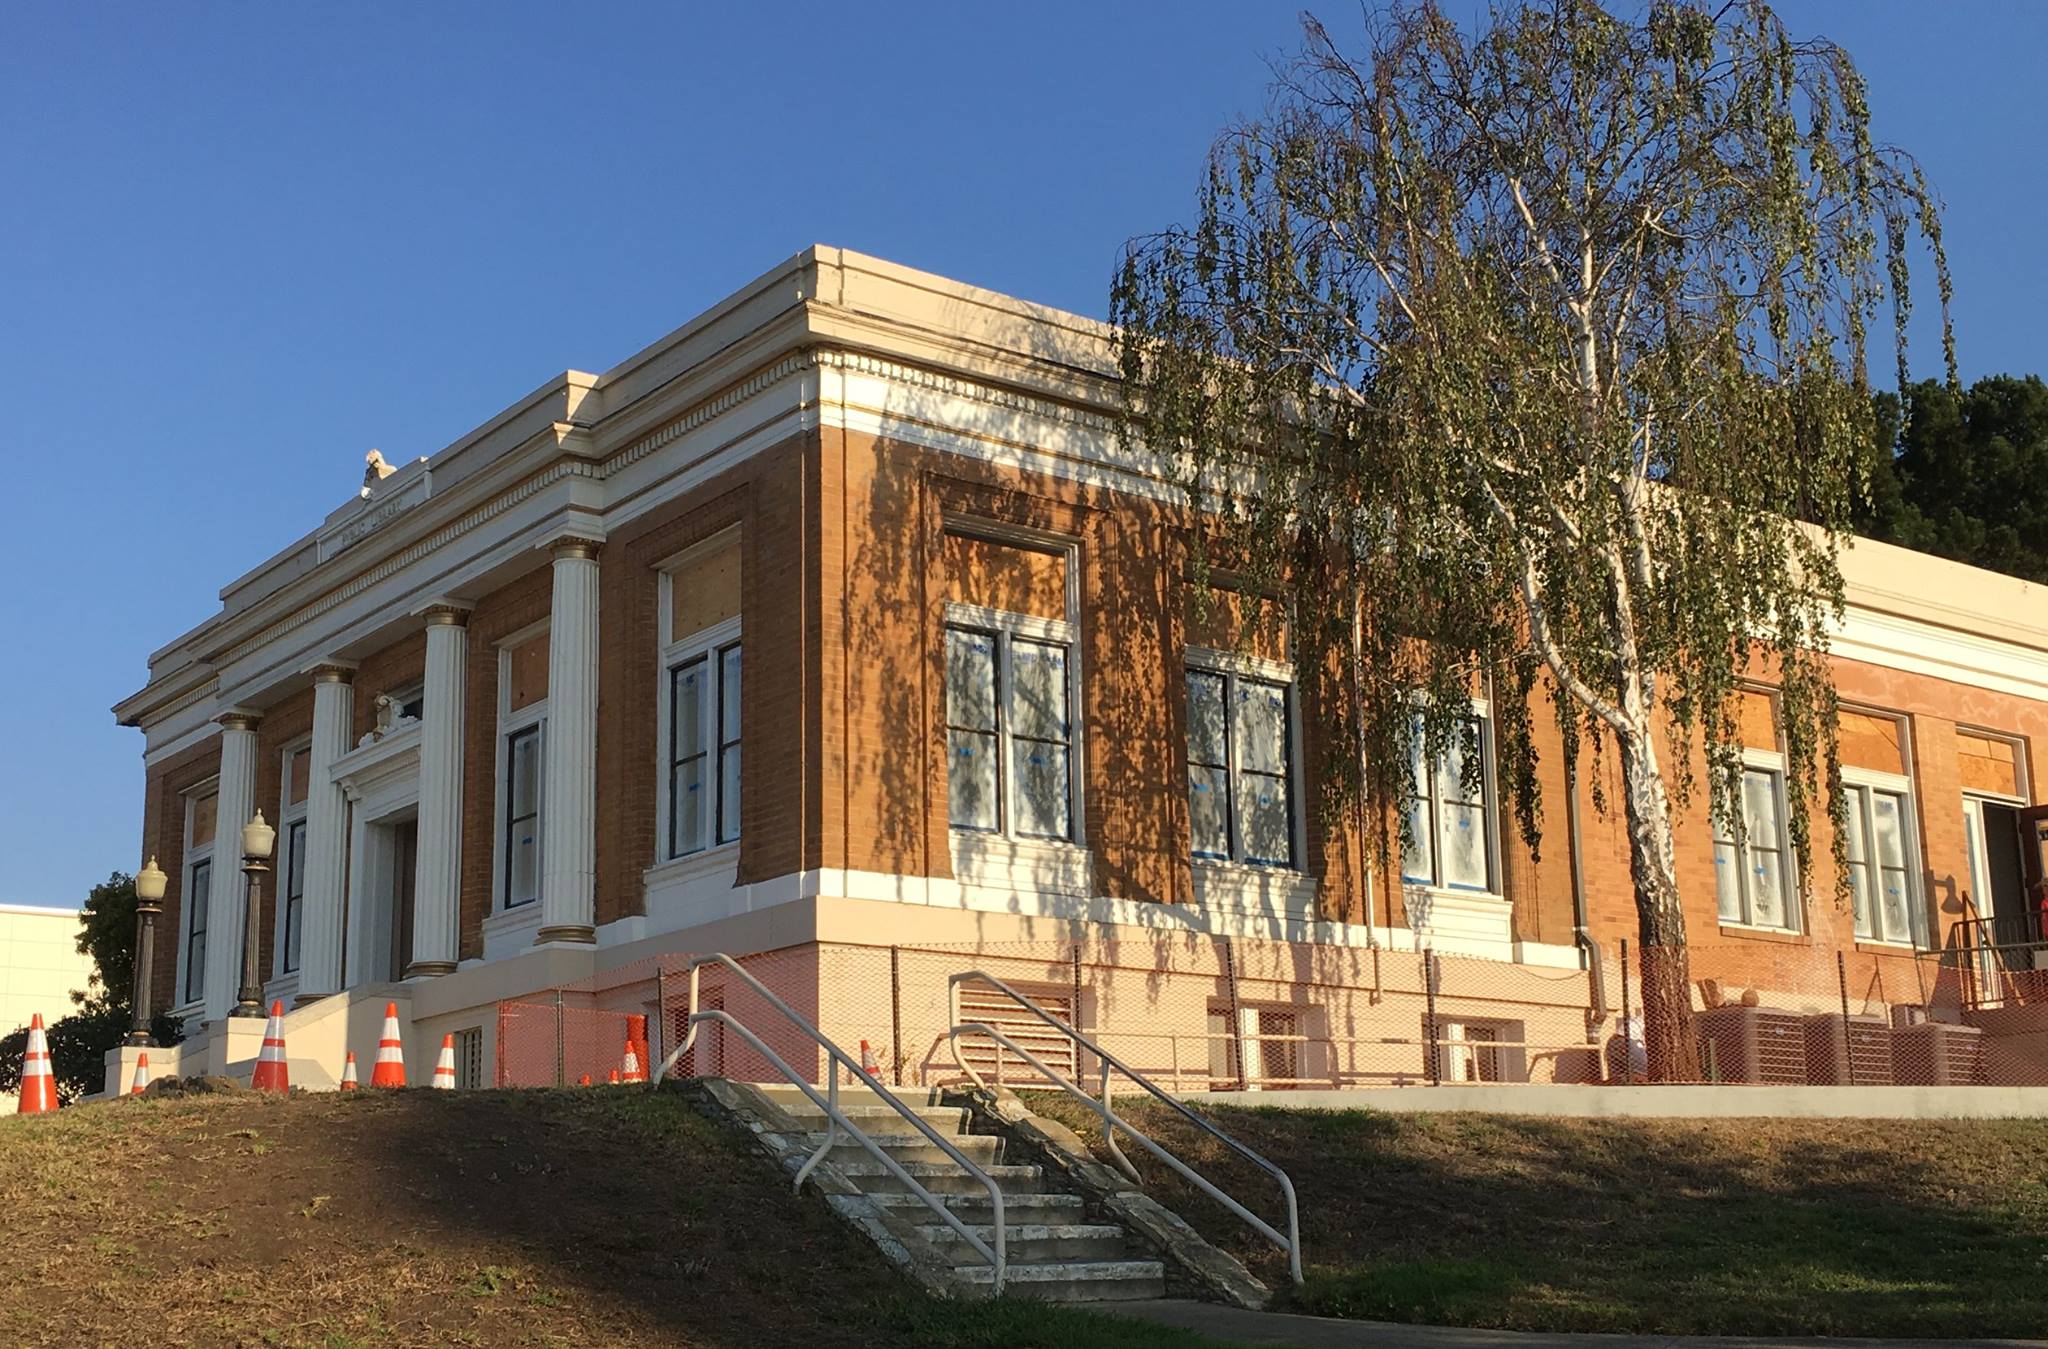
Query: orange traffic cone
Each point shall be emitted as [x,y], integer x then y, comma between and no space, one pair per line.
[348,1072]
[389,1070]
[636,1031]
[584,1081]
[868,1063]
[38,1087]
[614,1078]
[141,1079]
[631,1071]
[444,1067]
[271,1072]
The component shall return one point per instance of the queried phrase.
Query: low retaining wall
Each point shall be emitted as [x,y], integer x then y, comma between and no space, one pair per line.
[1659,1102]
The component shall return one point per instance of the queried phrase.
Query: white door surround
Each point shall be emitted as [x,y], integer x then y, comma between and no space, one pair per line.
[381,781]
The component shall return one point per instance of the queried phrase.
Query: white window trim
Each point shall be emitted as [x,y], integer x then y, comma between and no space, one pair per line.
[1916,895]
[194,853]
[703,642]
[1772,762]
[1032,628]
[1495,889]
[510,722]
[287,816]
[1238,665]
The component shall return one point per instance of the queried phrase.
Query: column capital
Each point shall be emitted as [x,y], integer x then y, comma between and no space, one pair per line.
[573,542]
[332,672]
[445,614]
[239,719]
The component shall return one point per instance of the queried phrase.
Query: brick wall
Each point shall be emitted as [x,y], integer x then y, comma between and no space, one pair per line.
[163,837]
[498,615]
[766,497]
[843,593]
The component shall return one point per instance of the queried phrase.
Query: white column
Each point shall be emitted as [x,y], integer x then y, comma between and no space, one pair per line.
[324,905]
[568,798]
[437,877]
[237,802]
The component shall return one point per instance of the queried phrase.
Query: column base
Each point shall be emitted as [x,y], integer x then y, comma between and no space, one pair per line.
[138,1039]
[582,934]
[301,999]
[424,969]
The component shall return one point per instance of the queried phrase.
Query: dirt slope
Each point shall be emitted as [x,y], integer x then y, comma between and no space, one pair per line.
[494,1218]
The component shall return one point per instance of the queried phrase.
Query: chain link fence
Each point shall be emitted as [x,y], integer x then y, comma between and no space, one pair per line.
[1199,1013]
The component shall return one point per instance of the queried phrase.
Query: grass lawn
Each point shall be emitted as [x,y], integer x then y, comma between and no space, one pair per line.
[608,1217]
[1824,1227]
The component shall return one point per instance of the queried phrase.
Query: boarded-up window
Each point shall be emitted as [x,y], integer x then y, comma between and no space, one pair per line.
[1233,621]
[298,776]
[1756,719]
[1006,576]
[1872,742]
[529,672]
[706,589]
[204,810]
[1988,763]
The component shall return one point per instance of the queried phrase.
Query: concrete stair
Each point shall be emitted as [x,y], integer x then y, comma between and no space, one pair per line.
[1054,1250]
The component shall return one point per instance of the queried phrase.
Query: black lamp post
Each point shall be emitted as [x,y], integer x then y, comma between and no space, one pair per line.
[149,897]
[257,840]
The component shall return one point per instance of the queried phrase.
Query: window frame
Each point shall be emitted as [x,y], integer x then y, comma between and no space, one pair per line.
[709,645]
[531,718]
[1866,783]
[672,653]
[1480,711]
[1006,628]
[1232,668]
[291,839]
[196,854]
[1771,764]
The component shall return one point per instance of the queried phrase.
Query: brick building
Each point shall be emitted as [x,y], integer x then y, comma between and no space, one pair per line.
[838,621]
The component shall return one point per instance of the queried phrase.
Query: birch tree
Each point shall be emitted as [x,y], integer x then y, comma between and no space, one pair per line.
[1515,352]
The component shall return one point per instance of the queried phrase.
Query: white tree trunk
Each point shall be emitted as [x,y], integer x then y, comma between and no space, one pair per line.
[1666,977]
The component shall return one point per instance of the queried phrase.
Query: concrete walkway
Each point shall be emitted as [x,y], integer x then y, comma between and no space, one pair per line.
[1319,1332]
[1668,1101]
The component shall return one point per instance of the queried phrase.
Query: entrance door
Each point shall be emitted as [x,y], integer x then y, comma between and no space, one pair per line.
[405,841]
[1998,870]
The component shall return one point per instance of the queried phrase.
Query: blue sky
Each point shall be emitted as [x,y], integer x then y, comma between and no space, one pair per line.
[242,244]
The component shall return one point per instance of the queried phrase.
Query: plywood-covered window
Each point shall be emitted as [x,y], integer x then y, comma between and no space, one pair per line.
[704,589]
[1237,621]
[527,673]
[1989,764]
[1756,720]
[1011,577]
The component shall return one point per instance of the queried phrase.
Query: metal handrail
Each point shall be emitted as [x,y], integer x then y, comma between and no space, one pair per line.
[997,1256]
[1111,1121]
